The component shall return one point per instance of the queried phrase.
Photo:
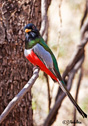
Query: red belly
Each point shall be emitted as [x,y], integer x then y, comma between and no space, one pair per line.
[37,62]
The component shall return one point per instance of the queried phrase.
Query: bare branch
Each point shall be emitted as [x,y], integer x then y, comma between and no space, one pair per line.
[20,95]
[77,91]
[84,30]
[43,16]
[48,88]
[44,23]
[85,14]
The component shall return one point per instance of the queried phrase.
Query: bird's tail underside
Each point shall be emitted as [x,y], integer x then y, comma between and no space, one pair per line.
[65,90]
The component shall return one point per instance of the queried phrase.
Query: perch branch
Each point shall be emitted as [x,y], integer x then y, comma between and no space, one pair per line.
[20,95]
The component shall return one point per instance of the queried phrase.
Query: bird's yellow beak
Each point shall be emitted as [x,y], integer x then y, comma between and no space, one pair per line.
[27,30]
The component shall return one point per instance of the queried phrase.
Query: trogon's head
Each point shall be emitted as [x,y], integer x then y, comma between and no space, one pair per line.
[31,31]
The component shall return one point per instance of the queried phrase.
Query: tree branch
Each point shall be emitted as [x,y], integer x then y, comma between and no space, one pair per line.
[77,91]
[85,14]
[48,88]
[20,95]
[44,17]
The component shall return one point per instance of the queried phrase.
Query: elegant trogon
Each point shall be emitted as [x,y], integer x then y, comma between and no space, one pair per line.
[39,54]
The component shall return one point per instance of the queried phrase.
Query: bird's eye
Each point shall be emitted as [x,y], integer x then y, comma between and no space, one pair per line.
[33,27]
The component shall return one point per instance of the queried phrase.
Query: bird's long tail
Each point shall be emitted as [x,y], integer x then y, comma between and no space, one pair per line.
[65,90]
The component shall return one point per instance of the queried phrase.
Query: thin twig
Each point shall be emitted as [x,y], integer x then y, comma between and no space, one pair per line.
[85,14]
[48,88]
[20,95]
[77,91]
[43,16]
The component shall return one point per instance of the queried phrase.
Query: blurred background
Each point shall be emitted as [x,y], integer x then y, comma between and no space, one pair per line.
[63,37]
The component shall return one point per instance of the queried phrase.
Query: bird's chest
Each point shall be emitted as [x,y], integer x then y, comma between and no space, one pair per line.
[27,52]
[37,53]
[31,56]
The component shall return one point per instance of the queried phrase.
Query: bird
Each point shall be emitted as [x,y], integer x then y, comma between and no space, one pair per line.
[39,54]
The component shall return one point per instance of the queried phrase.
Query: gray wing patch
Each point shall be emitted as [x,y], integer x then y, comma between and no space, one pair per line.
[43,55]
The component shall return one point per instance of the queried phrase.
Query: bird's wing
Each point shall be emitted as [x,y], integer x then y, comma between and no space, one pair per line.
[55,65]
[43,55]
[47,57]
[61,82]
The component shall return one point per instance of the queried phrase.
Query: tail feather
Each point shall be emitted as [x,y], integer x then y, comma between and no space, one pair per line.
[63,87]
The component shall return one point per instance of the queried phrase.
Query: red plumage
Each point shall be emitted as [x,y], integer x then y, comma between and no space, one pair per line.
[32,57]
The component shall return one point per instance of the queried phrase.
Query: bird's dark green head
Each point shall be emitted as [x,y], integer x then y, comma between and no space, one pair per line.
[31,32]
